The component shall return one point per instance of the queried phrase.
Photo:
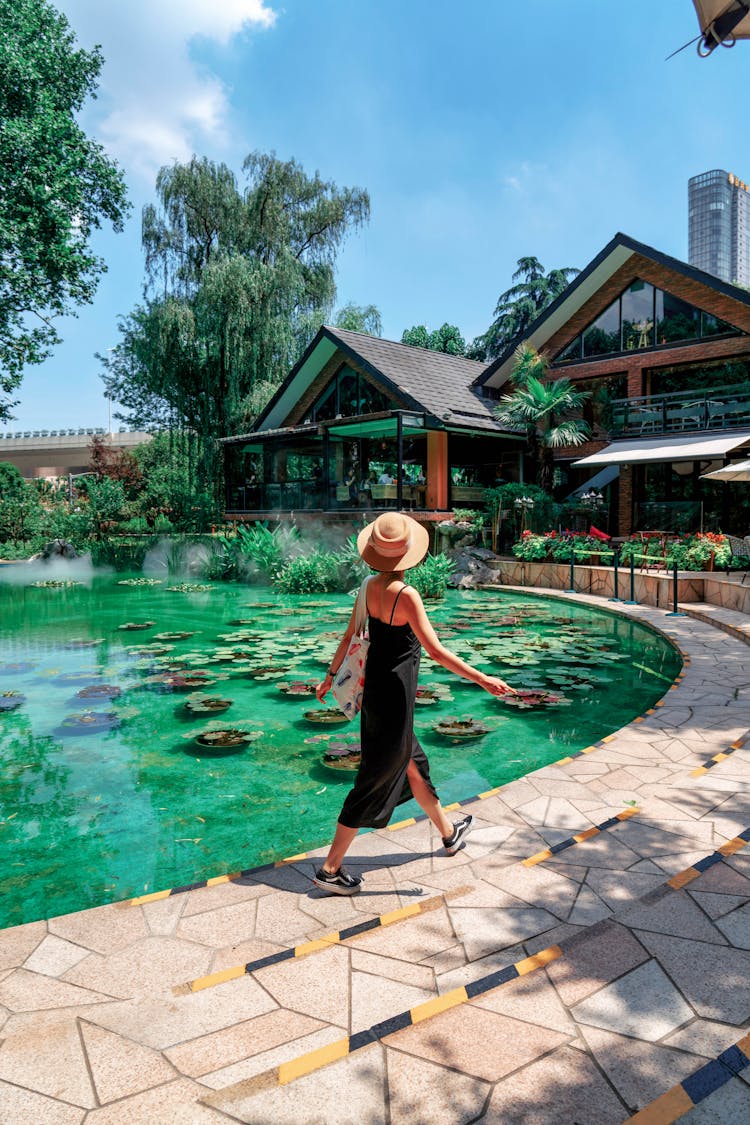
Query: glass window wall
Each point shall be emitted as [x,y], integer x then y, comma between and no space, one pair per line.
[347,395]
[642,318]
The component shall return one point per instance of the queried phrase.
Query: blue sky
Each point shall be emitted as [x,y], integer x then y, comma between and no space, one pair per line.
[483,131]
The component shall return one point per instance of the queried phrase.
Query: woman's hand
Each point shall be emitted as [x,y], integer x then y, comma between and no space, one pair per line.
[323,688]
[495,686]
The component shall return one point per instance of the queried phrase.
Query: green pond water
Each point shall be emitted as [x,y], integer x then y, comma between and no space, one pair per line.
[94,813]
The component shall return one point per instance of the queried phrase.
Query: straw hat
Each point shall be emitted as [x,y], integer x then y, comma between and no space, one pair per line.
[393,541]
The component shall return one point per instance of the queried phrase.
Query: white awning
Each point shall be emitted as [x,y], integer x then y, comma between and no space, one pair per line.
[697,447]
[601,479]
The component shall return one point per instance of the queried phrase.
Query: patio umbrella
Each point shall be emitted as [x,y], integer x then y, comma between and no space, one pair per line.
[739,471]
[721,22]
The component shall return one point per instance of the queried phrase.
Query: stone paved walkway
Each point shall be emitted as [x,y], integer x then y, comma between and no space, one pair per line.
[644,981]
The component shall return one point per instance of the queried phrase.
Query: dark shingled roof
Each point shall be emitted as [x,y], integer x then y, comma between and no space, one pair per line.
[438,383]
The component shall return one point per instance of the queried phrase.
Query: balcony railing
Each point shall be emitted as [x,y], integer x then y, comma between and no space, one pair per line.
[682,411]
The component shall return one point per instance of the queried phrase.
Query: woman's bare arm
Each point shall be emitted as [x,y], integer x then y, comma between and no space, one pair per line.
[324,686]
[431,643]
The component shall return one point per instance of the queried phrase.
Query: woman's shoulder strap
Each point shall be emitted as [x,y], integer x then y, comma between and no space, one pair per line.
[395,601]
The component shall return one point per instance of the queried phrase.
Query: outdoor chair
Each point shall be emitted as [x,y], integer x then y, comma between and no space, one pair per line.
[740,548]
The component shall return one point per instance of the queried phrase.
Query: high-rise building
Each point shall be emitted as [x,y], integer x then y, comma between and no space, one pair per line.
[719,225]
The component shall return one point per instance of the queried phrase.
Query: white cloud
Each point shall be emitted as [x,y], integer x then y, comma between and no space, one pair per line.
[156,104]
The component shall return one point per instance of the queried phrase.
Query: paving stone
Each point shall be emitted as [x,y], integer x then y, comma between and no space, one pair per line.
[674,913]
[104,929]
[161,917]
[119,1067]
[563,1087]
[713,978]
[23,991]
[391,968]
[421,937]
[220,895]
[589,909]
[486,930]
[621,888]
[50,1062]
[705,1037]
[19,942]
[174,1102]
[476,1041]
[593,960]
[24,1107]
[475,970]
[417,1088]
[243,953]
[279,914]
[730,1105]
[220,1049]
[531,999]
[639,1071]
[374,999]
[155,963]
[54,956]
[264,1060]
[539,886]
[318,985]
[716,905]
[162,1021]
[226,925]
[644,1003]
[736,927]
[317,1098]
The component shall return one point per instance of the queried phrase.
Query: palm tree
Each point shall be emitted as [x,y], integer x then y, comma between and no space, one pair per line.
[541,406]
[518,306]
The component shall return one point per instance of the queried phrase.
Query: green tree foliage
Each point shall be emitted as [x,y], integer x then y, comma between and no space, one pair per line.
[20,506]
[446,339]
[56,184]
[117,464]
[238,281]
[520,305]
[106,500]
[359,318]
[168,490]
[545,408]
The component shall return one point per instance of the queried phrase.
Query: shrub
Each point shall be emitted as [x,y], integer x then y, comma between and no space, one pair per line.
[267,549]
[430,578]
[316,573]
[138,525]
[121,553]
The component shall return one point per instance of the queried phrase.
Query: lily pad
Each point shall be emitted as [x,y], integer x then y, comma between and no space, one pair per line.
[99,691]
[326,715]
[11,700]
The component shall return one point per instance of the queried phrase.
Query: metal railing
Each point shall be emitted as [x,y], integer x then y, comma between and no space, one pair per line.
[682,411]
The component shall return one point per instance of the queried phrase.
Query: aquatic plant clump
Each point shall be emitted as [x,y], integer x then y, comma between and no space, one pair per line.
[11,700]
[328,715]
[54,584]
[190,588]
[200,704]
[140,582]
[459,729]
[134,626]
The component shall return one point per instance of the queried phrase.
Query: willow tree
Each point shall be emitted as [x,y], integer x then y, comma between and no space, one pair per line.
[547,410]
[237,282]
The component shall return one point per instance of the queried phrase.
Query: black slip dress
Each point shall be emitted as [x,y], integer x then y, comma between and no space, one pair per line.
[387,732]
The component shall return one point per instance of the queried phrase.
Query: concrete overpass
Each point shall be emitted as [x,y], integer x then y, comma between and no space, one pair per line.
[56,453]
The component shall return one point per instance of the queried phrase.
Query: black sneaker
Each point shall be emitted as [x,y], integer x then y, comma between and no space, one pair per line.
[461,829]
[338,882]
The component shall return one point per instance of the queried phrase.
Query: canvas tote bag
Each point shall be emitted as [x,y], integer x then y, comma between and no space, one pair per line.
[349,681]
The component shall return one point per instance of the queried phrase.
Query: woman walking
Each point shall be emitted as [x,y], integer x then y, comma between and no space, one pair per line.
[394,766]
